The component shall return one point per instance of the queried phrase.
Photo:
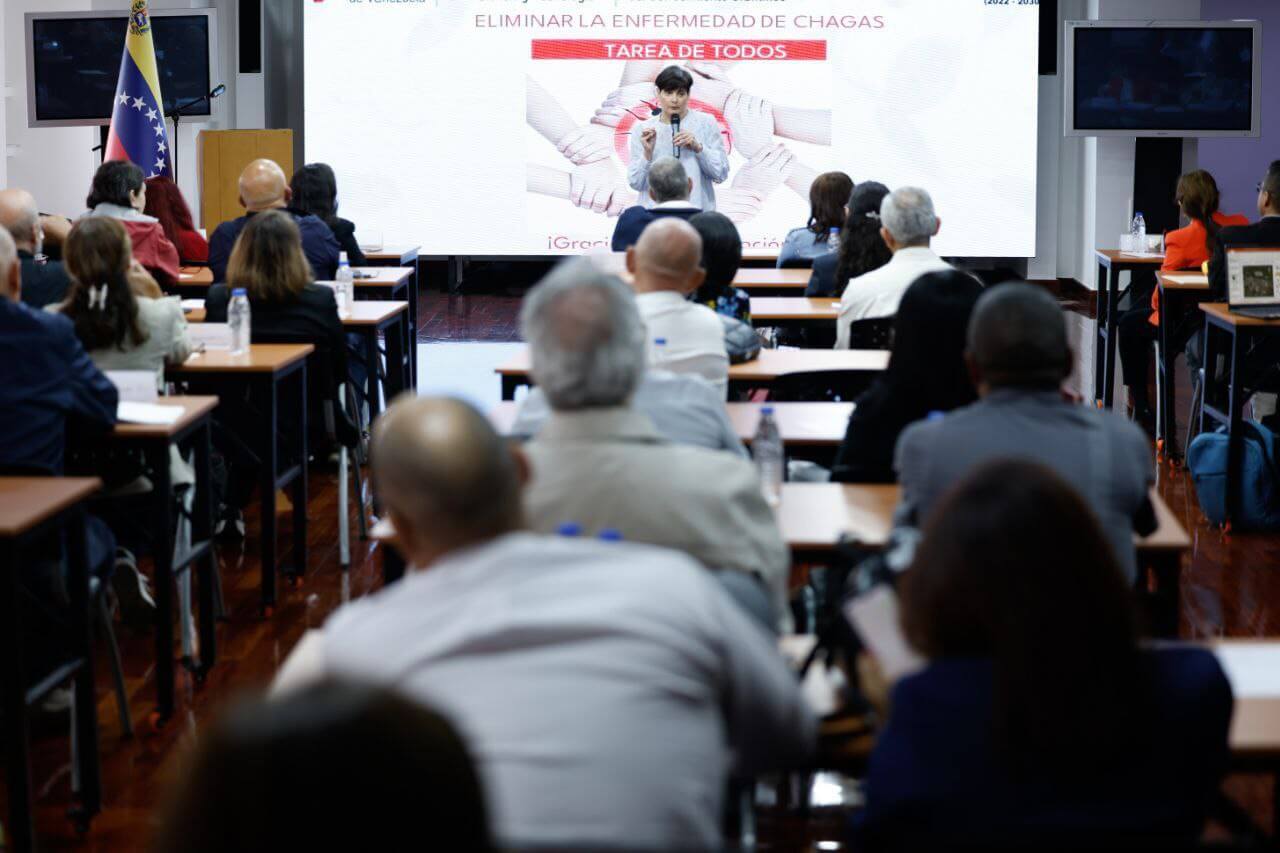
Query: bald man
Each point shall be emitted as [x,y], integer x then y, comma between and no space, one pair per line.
[683,337]
[263,186]
[604,688]
[44,281]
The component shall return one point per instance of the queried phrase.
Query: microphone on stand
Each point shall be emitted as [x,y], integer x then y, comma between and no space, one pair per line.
[675,129]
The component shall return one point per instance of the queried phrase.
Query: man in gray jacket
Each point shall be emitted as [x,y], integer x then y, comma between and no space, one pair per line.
[1018,356]
[598,463]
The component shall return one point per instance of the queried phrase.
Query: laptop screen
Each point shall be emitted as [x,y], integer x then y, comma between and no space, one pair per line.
[1253,276]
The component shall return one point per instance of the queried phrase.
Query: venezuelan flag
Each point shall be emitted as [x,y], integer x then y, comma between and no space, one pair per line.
[138,131]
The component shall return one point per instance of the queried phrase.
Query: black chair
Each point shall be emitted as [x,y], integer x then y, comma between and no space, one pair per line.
[820,386]
[876,333]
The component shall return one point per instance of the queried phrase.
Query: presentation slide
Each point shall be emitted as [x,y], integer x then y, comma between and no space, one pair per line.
[503,127]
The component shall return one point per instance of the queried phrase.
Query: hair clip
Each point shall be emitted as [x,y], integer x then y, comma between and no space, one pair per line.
[871,214]
[98,297]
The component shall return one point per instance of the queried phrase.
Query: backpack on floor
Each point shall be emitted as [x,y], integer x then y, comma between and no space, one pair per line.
[1257,483]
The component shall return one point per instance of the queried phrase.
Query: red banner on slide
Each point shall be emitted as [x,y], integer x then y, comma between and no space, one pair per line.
[709,49]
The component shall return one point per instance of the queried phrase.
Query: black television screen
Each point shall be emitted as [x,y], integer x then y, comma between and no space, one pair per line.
[76,62]
[1163,78]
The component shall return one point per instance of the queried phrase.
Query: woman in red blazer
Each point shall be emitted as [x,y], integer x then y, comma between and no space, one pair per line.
[165,203]
[1186,248]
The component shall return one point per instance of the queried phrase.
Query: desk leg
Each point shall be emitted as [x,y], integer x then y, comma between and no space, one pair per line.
[300,482]
[86,700]
[1113,300]
[399,371]
[1235,411]
[270,467]
[373,365]
[1168,422]
[413,325]
[13,682]
[1099,324]
[509,386]
[392,565]
[1166,603]
[201,531]
[158,458]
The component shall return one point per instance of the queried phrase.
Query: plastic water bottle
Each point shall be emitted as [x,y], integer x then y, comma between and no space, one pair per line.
[659,353]
[1138,231]
[833,239]
[767,450]
[342,290]
[238,319]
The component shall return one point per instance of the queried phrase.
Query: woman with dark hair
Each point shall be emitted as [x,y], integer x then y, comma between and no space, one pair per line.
[721,257]
[315,191]
[120,330]
[862,249]
[926,374]
[119,192]
[1038,718]
[333,767]
[166,204]
[828,197]
[1186,248]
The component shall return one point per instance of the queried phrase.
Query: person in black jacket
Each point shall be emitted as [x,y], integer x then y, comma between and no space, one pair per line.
[926,374]
[315,192]
[44,282]
[669,187]
[285,306]
[862,249]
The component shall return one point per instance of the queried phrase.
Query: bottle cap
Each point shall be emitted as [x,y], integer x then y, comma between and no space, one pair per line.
[661,342]
[342,258]
[610,534]
[766,410]
[239,291]
[569,528]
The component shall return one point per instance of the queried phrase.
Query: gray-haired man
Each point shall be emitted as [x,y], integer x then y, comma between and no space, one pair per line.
[669,187]
[907,224]
[600,464]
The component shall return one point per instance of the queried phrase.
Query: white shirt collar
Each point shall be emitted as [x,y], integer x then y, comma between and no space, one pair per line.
[676,204]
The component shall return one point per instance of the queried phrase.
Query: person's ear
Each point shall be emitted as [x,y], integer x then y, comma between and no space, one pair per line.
[243,203]
[696,278]
[524,471]
[652,197]
[690,180]
[288,194]
[888,239]
[405,539]
[631,259]
[937,225]
[15,281]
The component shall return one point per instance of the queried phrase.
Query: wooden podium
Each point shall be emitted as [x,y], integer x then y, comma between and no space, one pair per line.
[223,156]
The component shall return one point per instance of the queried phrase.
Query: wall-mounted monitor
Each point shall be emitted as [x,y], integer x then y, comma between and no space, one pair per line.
[73,62]
[1162,78]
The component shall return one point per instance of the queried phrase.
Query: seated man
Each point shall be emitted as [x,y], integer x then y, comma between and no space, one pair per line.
[669,187]
[908,224]
[605,688]
[600,464]
[44,281]
[1018,356]
[1264,232]
[683,337]
[263,186]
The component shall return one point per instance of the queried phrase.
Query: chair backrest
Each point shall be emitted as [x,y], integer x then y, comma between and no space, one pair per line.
[796,264]
[876,333]
[322,386]
[820,386]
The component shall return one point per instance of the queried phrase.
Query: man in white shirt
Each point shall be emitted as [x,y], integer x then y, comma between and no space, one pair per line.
[683,336]
[599,464]
[605,689]
[669,188]
[907,224]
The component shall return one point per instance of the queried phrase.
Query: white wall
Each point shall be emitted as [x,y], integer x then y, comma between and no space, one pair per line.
[5,93]
[56,164]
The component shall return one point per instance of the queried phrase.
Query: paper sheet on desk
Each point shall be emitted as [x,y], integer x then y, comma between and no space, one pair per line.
[1142,254]
[152,414]
[1187,277]
[192,304]
[1252,668]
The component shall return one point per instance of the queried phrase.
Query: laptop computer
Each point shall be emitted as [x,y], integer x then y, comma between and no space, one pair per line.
[1253,281]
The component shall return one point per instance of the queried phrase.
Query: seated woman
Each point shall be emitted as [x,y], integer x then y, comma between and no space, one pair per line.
[862,249]
[166,204]
[119,192]
[926,373]
[721,257]
[1039,718]
[828,195]
[266,771]
[1186,248]
[315,191]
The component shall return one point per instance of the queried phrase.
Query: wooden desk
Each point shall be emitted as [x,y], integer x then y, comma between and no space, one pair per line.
[814,516]
[195,277]
[1180,292]
[760,372]
[194,426]
[801,424]
[262,371]
[1231,336]
[383,284]
[1111,263]
[32,508]
[764,280]
[794,311]
[393,255]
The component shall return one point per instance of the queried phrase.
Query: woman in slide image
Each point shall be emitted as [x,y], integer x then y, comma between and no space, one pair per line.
[926,373]
[828,209]
[1039,720]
